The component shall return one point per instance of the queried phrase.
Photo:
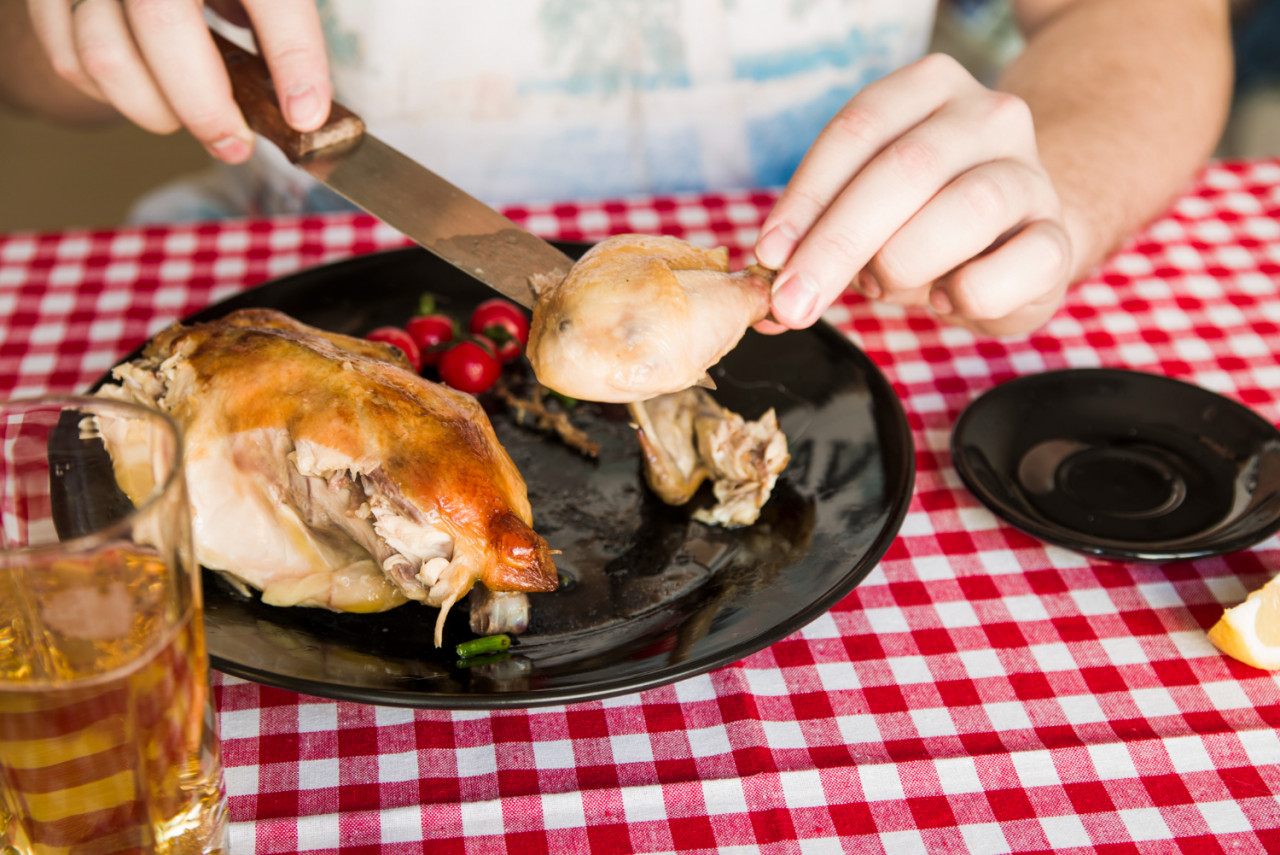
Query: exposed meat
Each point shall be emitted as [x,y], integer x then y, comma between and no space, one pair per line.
[687,437]
[324,473]
[640,316]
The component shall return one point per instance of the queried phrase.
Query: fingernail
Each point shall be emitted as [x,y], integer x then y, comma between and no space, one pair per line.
[795,298]
[231,149]
[941,302]
[868,285]
[774,248]
[302,106]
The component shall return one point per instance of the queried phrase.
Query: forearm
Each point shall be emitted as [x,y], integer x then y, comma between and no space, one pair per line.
[27,80]
[1129,99]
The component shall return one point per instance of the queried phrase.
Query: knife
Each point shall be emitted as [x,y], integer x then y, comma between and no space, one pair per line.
[405,195]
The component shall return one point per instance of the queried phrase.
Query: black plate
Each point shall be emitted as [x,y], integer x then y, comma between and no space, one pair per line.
[1122,464]
[652,596]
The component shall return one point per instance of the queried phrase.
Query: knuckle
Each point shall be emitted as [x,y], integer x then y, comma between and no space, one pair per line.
[294,56]
[838,245]
[1008,111]
[161,123]
[987,295]
[941,65]
[68,67]
[157,13]
[1055,256]
[856,123]
[103,60]
[893,272]
[804,204]
[799,206]
[973,295]
[914,158]
[983,196]
[1047,244]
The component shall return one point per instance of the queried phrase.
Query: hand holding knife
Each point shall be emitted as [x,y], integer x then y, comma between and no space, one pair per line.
[358,166]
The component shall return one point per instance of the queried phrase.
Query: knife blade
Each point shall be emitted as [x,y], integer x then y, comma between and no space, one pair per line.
[439,216]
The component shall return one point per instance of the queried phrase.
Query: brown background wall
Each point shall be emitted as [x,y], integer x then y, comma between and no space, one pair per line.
[54,177]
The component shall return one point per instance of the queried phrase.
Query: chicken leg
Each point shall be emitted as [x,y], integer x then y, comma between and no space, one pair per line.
[640,316]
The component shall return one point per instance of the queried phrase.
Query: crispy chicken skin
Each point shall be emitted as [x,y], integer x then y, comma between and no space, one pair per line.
[323,472]
[640,316]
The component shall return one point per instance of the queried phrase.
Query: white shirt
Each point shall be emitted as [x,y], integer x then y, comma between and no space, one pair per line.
[542,100]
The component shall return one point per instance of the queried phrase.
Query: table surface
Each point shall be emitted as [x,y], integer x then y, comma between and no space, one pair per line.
[979,691]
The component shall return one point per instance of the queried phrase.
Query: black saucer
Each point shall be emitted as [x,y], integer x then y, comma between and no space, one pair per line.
[1122,464]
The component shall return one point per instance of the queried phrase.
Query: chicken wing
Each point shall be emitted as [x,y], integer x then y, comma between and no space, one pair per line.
[323,473]
[640,316]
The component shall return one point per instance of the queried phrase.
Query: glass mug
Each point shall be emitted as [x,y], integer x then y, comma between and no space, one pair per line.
[107,737]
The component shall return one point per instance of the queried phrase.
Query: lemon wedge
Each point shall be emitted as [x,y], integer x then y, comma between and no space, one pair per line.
[1250,631]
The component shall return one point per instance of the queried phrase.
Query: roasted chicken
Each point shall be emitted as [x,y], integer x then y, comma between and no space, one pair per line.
[325,472]
[687,438]
[640,316]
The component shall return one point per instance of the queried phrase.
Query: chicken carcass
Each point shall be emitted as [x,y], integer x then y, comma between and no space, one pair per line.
[640,316]
[324,472]
[687,437]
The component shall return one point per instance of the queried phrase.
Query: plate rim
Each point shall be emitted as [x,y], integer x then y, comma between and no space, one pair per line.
[1080,542]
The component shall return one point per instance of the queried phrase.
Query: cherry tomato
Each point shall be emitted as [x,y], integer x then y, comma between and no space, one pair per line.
[401,339]
[430,332]
[469,367]
[504,323]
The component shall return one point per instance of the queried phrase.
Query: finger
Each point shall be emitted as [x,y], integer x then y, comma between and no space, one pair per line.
[52,23]
[175,43]
[111,59]
[768,327]
[291,42]
[1013,289]
[882,112]
[965,219]
[898,182]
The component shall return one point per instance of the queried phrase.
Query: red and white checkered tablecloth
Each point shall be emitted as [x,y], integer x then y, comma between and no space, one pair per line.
[979,691]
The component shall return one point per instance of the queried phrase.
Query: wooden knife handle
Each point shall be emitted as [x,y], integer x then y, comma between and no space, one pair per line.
[251,85]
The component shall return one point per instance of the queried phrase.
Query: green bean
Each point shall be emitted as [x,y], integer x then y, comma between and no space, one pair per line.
[481,646]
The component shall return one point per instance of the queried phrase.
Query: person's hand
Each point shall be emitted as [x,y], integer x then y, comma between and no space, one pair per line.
[155,62]
[925,190]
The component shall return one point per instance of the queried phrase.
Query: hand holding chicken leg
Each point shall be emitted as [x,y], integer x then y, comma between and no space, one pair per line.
[925,190]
